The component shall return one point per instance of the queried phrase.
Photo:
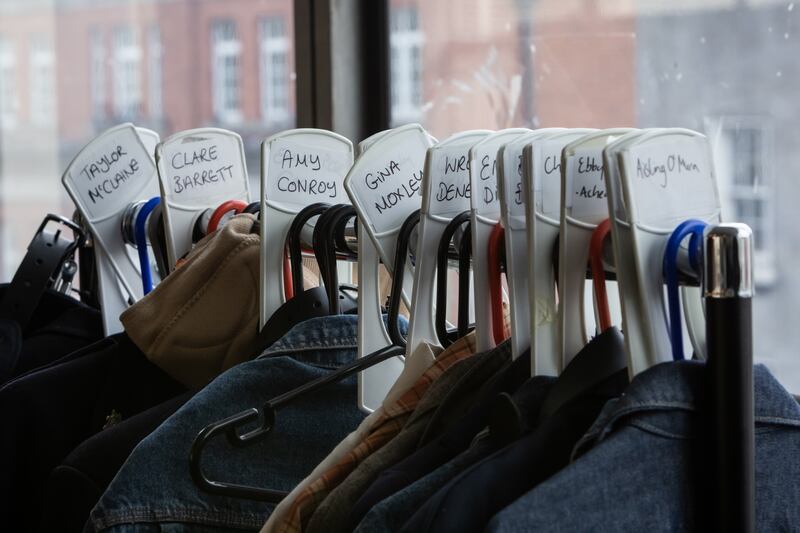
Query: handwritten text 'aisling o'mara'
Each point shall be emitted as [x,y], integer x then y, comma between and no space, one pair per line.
[388,199]
[672,164]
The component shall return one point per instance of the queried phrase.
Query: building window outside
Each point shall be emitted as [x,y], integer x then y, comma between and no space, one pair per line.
[743,152]
[42,82]
[154,73]
[9,103]
[406,64]
[127,74]
[274,72]
[97,74]
[225,72]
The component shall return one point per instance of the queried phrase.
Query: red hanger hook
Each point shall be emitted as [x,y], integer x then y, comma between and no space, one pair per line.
[496,258]
[237,206]
[598,272]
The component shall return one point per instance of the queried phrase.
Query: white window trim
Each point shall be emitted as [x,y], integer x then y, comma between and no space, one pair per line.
[127,61]
[222,48]
[402,43]
[42,91]
[764,255]
[8,73]
[269,46]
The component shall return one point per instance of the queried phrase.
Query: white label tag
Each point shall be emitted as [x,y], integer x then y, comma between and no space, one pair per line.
[547,176]
[387,178]
[451,189]
[301,174]
[672,177]
[513,176]
[586,188]
[111,172]
[487,201]
[208,165]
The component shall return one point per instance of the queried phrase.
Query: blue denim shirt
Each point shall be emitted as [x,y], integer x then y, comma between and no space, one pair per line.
[641,466]
[154,490]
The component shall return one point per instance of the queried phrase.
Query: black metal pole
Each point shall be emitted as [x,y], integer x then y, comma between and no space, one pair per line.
[728,292]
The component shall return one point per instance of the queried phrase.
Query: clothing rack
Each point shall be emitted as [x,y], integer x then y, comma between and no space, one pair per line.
[728,287]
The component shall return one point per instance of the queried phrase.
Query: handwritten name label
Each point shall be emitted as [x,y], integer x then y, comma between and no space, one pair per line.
[450,188]
[207,166]
[513,176]
[672,177]
[483,175]
[302,174]
[110,172]
[547,176]
[586,188]
[386,181]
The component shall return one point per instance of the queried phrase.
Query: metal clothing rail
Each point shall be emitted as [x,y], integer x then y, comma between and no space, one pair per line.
[728,288]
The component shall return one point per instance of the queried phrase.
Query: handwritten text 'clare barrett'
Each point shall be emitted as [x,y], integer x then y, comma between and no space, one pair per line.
[201,177]
[674,164]
[407,189]
[123,168]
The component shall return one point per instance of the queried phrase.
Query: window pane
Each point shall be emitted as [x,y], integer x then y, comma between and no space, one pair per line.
[71,69]
[724,67]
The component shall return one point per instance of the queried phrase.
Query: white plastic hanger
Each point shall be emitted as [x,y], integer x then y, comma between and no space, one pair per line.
[445,194]
[298,168]
[109,174]
[485,204]
[541,187]
[198,170]
[665,176]
[512,216]
[384,185]
[583,207]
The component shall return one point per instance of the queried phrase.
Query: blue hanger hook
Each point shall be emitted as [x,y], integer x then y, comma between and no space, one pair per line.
[694,229]
[140,236]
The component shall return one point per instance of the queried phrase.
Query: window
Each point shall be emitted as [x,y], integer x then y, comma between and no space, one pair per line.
[9,102]
[42,76]
[274,72]
[742,157]
[127,74]
[97,74]
[225,64]
[406,65]
[154,74]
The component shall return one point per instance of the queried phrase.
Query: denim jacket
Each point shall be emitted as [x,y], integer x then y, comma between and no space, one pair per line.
[154,490]
[643,464]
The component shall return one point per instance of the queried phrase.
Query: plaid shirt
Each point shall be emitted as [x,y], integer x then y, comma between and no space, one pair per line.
[385,429]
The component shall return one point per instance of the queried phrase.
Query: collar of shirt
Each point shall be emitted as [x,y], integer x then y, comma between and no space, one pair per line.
[680,386]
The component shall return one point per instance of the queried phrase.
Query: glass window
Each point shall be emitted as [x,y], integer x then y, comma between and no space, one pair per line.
[127,74]
[71,69]
[727,68]
[42,66]
[97,73]
[9,102]
[275,100]
[154,74]
[225,51]
[406,64]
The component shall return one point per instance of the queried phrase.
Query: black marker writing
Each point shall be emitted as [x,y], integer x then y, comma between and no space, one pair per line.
[406,190]
[375,179]
[109,185]
[187,159]
[202,178]
[290,160]
[308,186]
[104,164]
[450,191]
